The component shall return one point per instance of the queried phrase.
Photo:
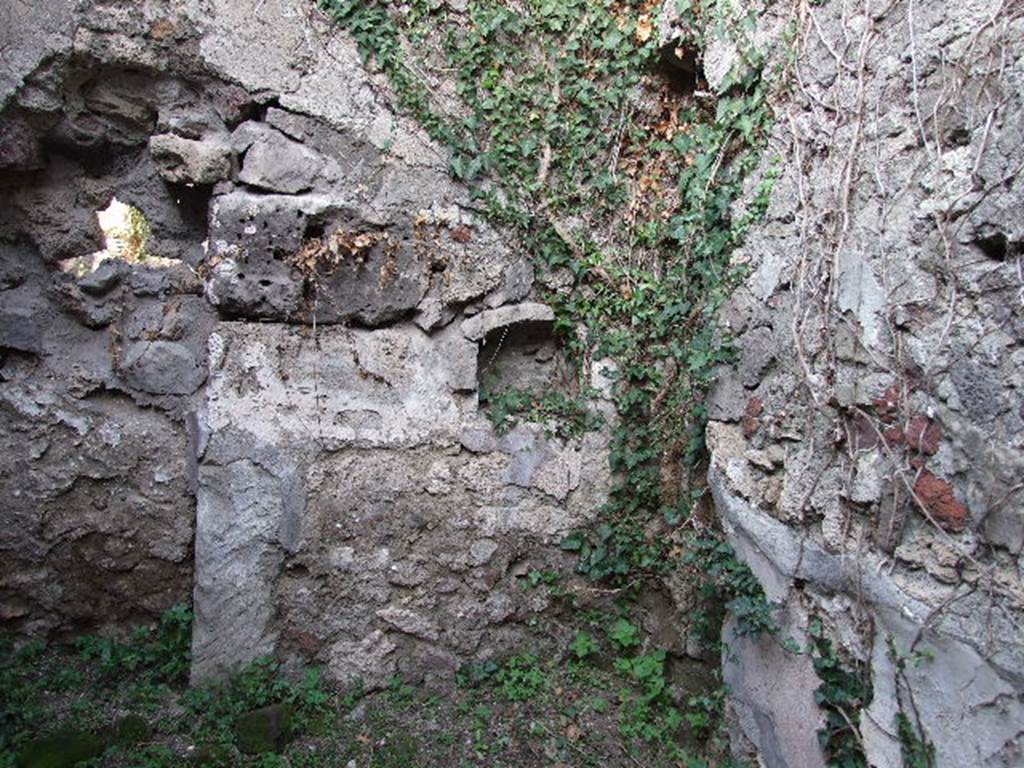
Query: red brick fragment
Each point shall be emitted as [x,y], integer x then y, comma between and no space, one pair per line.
[894,436]
[938,498]
[751,421]
[923,434]
[462,234]
[887,405]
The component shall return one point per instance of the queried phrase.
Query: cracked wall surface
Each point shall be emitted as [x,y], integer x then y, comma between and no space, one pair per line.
[866,445]
[281,405]
[283,420]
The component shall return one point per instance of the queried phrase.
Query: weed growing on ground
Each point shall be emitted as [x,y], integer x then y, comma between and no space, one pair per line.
[607,696]
[162,653]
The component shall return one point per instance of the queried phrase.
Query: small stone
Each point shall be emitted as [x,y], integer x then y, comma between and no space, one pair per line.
[431,314]
[761,460]
[104,279]
[866,486]
[246,134]
[482,550]
[757,353]
[264,730]
[409,622]
[162,368]
[191,161]
[61,750]
[279,164]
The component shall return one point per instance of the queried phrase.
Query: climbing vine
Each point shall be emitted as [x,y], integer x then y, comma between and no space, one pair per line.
[844,693]
[621,172]
[917,750]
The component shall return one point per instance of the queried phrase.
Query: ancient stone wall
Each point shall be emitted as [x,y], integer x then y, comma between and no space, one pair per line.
[866,445]
[276,410]
[289,378]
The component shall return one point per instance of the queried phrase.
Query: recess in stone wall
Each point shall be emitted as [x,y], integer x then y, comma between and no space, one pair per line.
[524,356]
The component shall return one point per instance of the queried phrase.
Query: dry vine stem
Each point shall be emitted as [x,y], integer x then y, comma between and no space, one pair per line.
[828,231]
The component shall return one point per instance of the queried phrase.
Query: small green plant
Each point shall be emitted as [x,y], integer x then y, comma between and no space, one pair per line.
[536,578]
[353,696]
[215,710]
[271,760]
[917,752]
[475,674]
[844,692]
[163,652]
[20,707]
[729,582]
[147,756]
[650,714]
[563,416]
[521,678]
[624,634]
[400,693]
[704,713]
[583,646]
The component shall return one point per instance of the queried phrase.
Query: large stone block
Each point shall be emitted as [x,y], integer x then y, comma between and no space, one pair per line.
[336,386]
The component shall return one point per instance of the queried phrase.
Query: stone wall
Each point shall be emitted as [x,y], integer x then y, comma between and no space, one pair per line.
[290,380]
[279,411]
[866,446]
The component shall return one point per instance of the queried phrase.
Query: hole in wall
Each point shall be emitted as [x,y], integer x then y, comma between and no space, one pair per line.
[679,65]
[126,234]
[315,230]
[995,246]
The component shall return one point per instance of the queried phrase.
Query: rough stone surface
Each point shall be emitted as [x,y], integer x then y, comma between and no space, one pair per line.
[865,445]
[479,326]
[277,164]
[773,700]
[191,161]
[373,576]
[161,368]
[271,168]
[98,522]
[296,392]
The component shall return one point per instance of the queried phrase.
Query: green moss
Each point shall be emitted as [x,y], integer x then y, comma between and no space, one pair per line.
[129,730]
[62,750]
[265,730]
